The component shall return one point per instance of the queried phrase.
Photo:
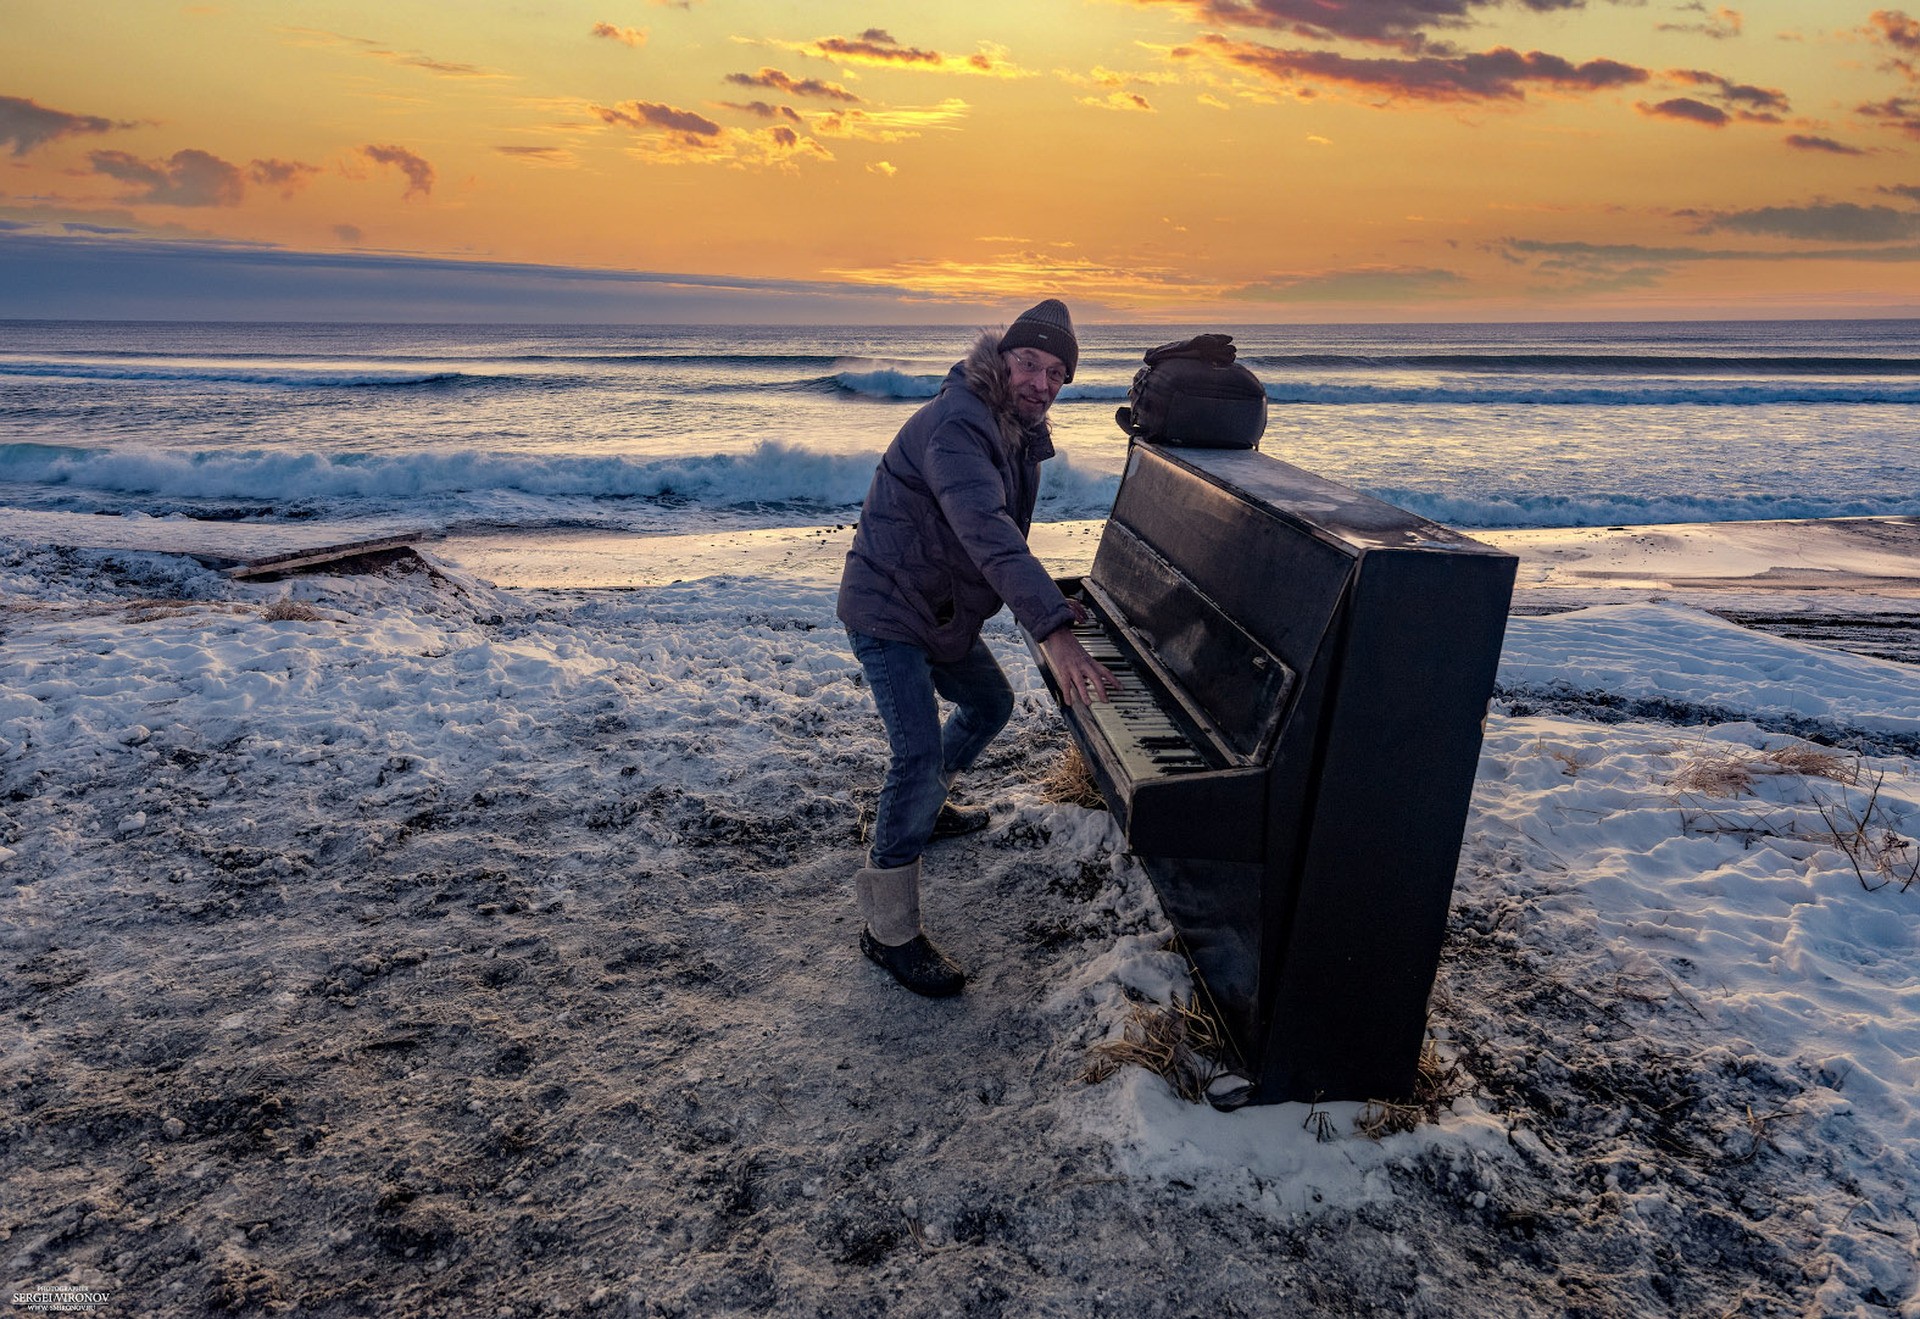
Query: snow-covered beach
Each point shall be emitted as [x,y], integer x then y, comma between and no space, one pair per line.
[400,942]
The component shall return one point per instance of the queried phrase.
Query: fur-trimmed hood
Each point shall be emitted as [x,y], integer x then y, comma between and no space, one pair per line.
[987,376]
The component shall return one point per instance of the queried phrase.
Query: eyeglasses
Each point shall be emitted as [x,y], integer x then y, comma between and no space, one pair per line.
[1030,365]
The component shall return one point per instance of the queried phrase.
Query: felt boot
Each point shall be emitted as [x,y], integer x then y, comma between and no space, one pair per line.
[889,899]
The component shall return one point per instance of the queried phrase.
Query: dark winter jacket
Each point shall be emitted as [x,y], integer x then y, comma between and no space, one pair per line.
[942,541]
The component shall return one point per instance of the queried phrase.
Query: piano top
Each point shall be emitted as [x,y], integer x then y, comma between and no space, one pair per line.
[1316,503]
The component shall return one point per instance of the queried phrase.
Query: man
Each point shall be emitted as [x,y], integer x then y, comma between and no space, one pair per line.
[941,545]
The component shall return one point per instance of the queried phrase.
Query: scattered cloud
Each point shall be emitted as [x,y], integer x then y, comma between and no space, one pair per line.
[419,173]
[1722,24]
[1118,101]
[1501,74]
[555,156]
[348,233]
[1687,109]
[25,125]
[764,110]
[289,176]
[409,59]
[1826,222]
[1403,24]
[673,136]
[1019,275]
[654,114]
[893,124]
[1561,257]
[1895,29]
[1908,190]
[1901,112]
[1105,79]
[775,80]
[1762,105]
[626,36]
[1808,142]
[187,178]
[1359,284]
[778,147]
[876,48]
[1899,34]
[883,167]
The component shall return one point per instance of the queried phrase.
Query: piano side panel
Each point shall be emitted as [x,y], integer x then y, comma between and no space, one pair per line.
[1233,921]
[1351,965]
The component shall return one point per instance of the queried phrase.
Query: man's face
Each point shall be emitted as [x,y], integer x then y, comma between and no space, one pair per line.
[1037,377]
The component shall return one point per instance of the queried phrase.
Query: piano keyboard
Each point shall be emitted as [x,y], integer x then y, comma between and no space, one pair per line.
[1148,743]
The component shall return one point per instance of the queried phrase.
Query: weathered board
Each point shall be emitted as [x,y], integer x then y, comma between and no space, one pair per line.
[240,549]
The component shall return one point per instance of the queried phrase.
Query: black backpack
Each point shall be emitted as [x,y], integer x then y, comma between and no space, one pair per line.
[1193,393]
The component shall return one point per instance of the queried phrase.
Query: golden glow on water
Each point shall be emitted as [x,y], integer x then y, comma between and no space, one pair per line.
[1158,158]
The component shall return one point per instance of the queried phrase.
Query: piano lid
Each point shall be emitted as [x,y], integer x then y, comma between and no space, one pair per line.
[1325,506]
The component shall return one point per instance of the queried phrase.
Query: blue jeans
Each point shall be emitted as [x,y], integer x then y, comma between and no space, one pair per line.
[905,681]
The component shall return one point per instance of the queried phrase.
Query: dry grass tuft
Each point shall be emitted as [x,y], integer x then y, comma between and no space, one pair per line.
[1572,761]
[1728,772]
[1814,762]
[1436,1084]
[1720,775]
[285,610]
[1071,783]
[159,611]
[1179,1041]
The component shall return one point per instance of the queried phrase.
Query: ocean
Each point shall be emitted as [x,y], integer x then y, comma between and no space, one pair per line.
[652,430]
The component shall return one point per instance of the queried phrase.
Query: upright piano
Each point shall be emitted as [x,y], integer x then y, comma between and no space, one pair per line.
[1305,673]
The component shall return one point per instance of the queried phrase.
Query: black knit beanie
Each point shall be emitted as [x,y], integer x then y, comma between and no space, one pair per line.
[1045,326]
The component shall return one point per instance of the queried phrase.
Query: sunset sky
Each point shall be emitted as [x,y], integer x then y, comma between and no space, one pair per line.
[1165,160]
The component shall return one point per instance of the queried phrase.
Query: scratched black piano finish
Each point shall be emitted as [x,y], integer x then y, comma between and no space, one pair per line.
[1306,671]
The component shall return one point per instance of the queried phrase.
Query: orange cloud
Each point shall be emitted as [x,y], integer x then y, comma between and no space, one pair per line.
[641,114]
[1901,112]
[894,124]
[782,82]
[763,110]
[779,147]
[1400,23]
[405,58]
[1896,29]
[1807,142]
[187,178]
[27,125]
[1122,100]
[1358,284]
[877,48]
[626,36]
[419,173]
[1687,109]
[287,175]
[556,156]
[1756,104]
[1501,74]
[1723,24]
